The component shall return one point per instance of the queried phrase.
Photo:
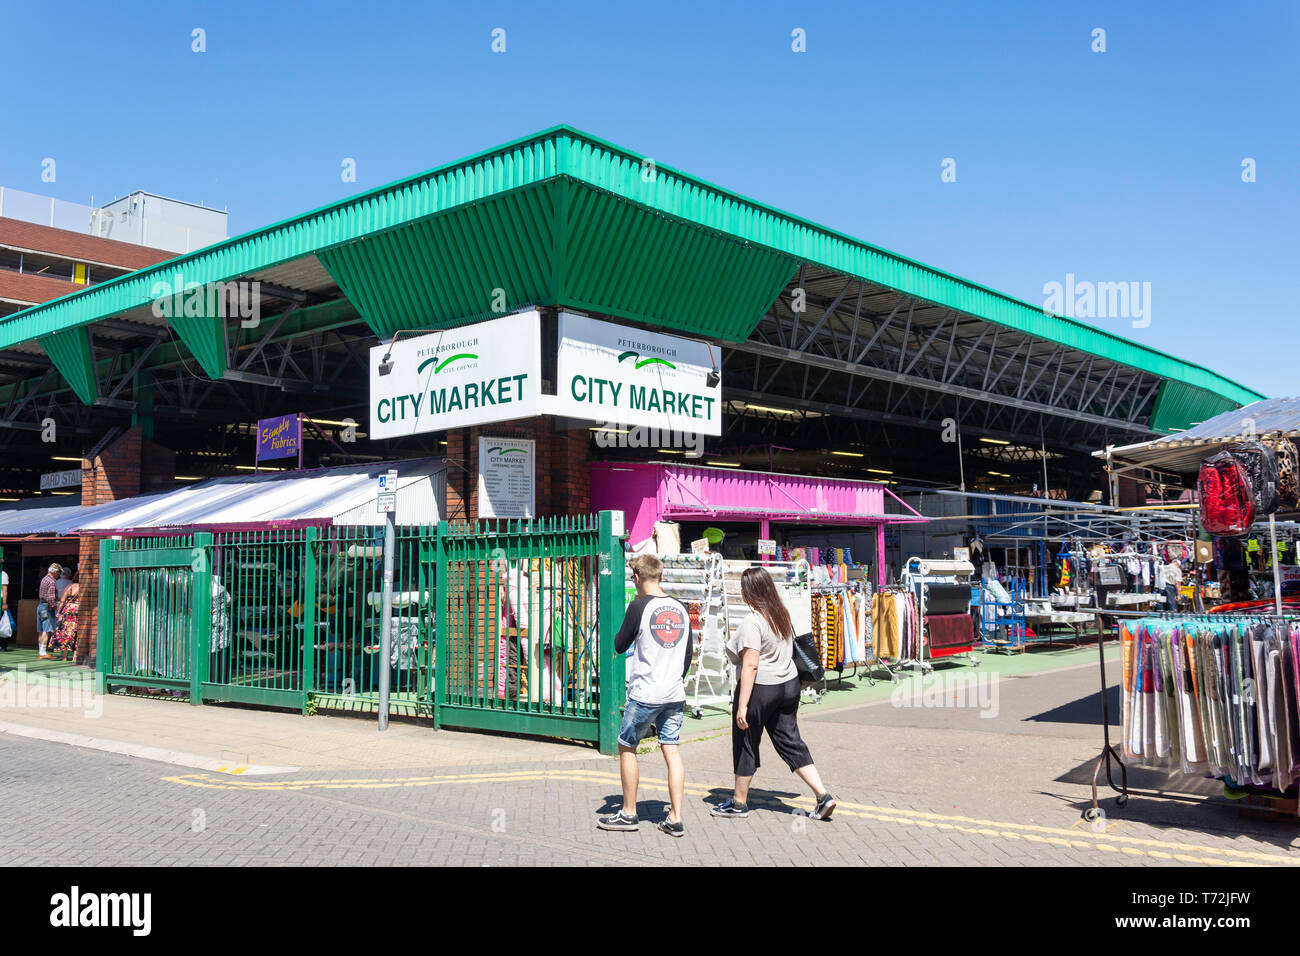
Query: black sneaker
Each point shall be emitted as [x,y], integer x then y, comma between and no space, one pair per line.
[673,829]
[730,808]
[618,821]
[825,807]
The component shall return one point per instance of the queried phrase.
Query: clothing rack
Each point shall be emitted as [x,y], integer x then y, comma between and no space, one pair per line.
[865,636]
[909,644]
[916,576]
[1220,703]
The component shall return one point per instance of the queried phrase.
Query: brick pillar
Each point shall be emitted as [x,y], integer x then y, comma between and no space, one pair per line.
[562,476]
[127,467]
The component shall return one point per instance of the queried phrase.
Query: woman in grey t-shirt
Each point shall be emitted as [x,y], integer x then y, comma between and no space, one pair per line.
[767,696]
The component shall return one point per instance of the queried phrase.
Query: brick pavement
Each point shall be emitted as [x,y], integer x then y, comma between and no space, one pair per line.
[916,789]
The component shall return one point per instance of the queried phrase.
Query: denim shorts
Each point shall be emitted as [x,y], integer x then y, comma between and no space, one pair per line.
[44,619]
[637,718]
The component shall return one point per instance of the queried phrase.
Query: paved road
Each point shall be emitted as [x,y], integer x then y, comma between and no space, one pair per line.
[918,786]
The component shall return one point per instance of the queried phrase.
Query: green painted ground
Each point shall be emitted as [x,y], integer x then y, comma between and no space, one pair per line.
[26,660]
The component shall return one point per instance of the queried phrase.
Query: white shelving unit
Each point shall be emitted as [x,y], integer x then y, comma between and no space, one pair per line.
[697,581]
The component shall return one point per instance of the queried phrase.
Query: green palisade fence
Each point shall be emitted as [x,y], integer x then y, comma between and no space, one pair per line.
[503,626]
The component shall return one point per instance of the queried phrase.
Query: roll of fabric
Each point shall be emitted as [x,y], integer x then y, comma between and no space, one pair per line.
[950,630]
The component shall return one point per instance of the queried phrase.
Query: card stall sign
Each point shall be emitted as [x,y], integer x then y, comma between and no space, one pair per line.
[611,373]
[487,372]
[61,479]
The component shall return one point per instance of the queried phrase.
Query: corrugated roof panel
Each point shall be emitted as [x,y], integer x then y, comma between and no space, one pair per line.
[63,520]
[1184,451]
[658,190]
[69,350]
[1180,406]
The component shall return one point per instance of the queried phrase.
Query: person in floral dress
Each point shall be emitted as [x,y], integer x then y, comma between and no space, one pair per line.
[63,644]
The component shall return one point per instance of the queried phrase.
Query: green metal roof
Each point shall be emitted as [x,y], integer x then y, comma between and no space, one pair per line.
[559,242]
[1178,407]
[564,218]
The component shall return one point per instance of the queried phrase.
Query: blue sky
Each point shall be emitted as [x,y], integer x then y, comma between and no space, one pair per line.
[1115,166]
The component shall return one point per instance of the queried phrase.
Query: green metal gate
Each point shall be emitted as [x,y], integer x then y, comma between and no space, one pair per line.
[213,616]
[151,632]
[507,626]
[526,617]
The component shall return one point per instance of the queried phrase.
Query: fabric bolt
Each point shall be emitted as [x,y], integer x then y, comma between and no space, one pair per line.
[950,630]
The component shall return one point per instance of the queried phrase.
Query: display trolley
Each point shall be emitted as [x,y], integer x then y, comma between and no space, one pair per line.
[943,591]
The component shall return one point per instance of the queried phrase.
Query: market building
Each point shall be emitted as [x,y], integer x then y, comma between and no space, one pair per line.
[832,376]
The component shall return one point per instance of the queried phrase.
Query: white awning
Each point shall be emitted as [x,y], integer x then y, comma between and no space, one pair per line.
[336,495]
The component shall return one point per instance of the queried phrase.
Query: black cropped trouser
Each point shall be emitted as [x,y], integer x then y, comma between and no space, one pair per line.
[774,708]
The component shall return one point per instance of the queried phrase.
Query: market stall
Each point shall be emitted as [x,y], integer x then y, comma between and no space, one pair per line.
[757,518]
[751,507]
[1215,694]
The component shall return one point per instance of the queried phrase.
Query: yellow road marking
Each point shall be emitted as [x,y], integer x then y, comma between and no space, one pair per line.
[1109,842]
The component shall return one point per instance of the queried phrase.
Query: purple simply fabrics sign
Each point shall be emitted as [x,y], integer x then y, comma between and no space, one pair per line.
[279,437]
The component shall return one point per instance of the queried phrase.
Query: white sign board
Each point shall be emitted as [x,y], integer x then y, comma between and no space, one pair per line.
[61,479]
[386,492]
[611,373]
[700,546]
[487,372]
[766,546]
[506,478]
[961,554]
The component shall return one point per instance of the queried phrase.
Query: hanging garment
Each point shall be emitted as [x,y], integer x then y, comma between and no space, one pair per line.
[819,626]
[864,626]
[833,638]
[1289,757]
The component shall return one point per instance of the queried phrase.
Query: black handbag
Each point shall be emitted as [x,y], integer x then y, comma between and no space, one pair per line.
[806,659]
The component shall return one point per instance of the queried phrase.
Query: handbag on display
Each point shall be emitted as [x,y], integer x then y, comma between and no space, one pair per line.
[1260,463]
[1288,475]
[1227,501]
[806,659]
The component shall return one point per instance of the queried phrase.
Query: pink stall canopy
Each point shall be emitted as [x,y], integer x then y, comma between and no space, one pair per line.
[647,492]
